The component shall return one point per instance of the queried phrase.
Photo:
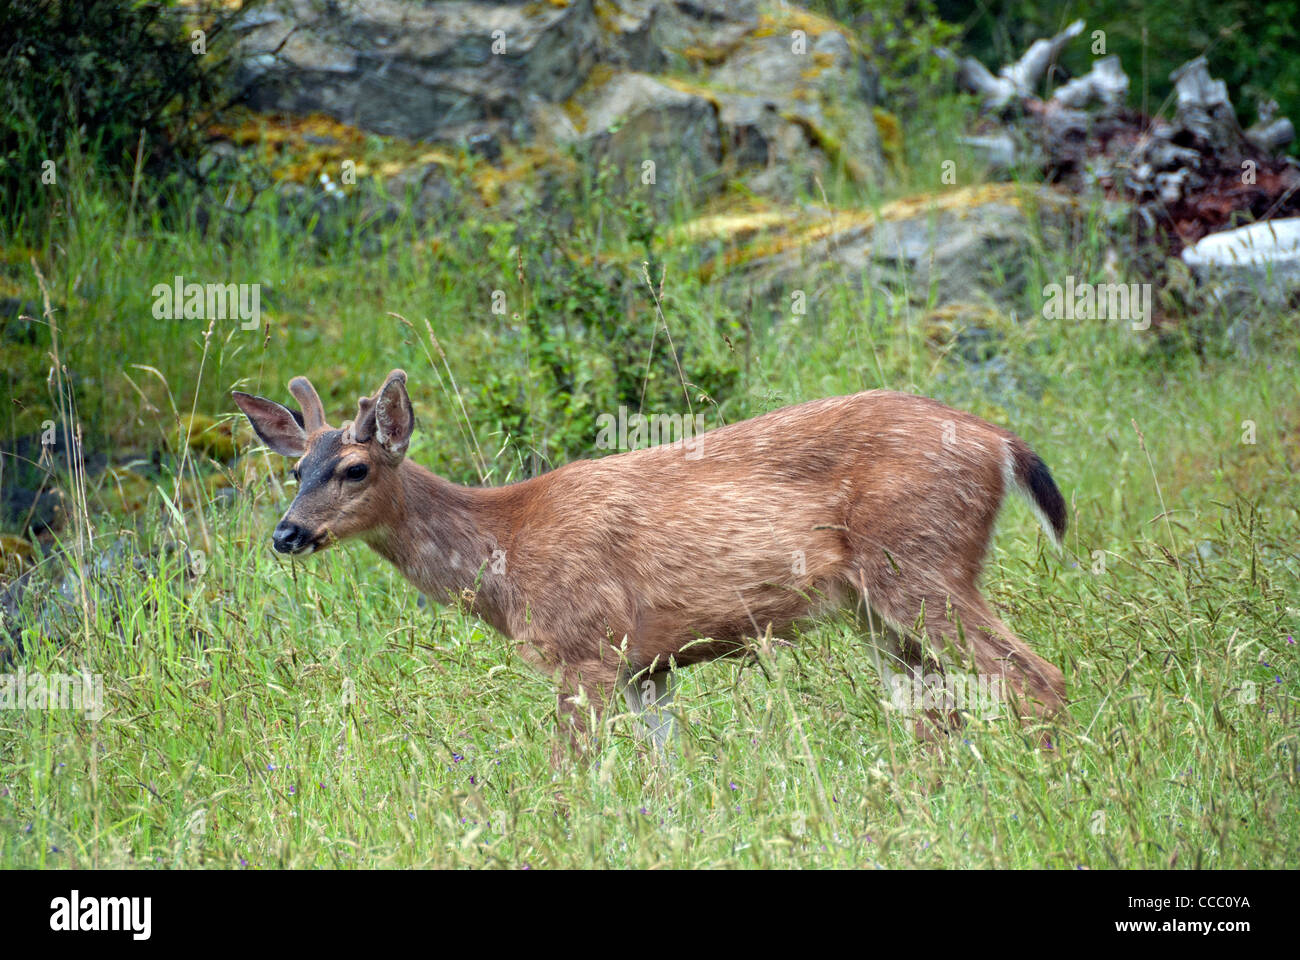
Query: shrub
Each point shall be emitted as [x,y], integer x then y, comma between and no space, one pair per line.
[83,80]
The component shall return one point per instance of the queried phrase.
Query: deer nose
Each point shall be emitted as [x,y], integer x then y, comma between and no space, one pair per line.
[289,537]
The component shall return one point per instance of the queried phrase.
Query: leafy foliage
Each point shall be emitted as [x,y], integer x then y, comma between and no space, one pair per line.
[588,330]
[95,77]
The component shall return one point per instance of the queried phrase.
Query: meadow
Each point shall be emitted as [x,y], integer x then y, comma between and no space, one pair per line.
[263,712]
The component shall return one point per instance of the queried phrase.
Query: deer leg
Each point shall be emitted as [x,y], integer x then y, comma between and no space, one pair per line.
[584,691]
[914,684]
[1036,686]
[649,696]
[960,621]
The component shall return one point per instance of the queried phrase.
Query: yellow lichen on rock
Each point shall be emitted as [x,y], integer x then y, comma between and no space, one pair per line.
[302,148]
[691,87]
[757,235]
[735,225]
[16,555]
[830,146]
[784,20]
[890,132]
[599,75]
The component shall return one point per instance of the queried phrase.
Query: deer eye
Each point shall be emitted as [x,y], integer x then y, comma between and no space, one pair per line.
[297,474]
[357,471]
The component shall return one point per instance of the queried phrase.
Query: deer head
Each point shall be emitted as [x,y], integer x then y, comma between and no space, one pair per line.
[347,476]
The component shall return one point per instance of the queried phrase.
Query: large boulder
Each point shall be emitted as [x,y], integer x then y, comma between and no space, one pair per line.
[649,129]
[964,245]
[413,70]
[705,90]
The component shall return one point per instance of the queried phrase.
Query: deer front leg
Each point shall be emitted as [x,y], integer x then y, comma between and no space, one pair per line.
[649,696]
[584,691]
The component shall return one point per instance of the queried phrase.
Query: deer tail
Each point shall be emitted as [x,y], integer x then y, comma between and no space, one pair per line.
[1030,476]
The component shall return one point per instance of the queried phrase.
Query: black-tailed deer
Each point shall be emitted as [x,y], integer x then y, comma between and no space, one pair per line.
[638,563]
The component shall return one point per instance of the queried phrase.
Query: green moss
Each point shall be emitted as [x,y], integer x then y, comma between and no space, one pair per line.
[829,145]
[890,132]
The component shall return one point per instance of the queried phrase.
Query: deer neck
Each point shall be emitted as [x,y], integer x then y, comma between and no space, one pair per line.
[445,539]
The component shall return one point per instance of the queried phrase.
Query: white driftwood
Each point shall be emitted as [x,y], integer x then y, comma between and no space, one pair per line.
[1239,270]
[1017,79]
[972,75]
[1204,108]
[1105,84]
[1025,73]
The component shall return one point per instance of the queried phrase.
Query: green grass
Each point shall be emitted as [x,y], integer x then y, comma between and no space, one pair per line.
[267,713]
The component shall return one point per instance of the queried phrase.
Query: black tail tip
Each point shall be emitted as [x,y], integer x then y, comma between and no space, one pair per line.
[1042,488]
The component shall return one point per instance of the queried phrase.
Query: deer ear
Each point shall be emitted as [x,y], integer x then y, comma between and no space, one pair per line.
[279,427]
[394,417]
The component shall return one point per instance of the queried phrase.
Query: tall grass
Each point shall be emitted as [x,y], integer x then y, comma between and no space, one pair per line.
[264,712]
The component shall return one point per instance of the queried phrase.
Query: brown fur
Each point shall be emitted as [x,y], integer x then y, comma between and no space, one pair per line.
[890,500]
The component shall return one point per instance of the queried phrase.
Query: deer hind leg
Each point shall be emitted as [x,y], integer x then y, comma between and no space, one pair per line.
[913,681]
[958,620]
[650,697]
[1036,687]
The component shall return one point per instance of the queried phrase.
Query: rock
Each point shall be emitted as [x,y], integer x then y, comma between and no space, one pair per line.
[627,34]
[415,70]
[703,31]
[781,98]
[1243,267]
[982,248]
[965,244]
[648,129]
[796,109]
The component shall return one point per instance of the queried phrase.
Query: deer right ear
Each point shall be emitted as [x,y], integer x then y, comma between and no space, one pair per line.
[278,426]
[394,416]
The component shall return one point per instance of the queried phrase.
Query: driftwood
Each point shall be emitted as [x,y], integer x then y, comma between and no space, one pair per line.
[1015,80]
[1184,177]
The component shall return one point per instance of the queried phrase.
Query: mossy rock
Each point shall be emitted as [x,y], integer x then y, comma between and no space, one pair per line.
[890,131]
[209,436]
[16,555]
[125,490]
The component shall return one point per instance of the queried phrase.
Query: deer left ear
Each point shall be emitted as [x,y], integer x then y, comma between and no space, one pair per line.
[394,416]
[279,427]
